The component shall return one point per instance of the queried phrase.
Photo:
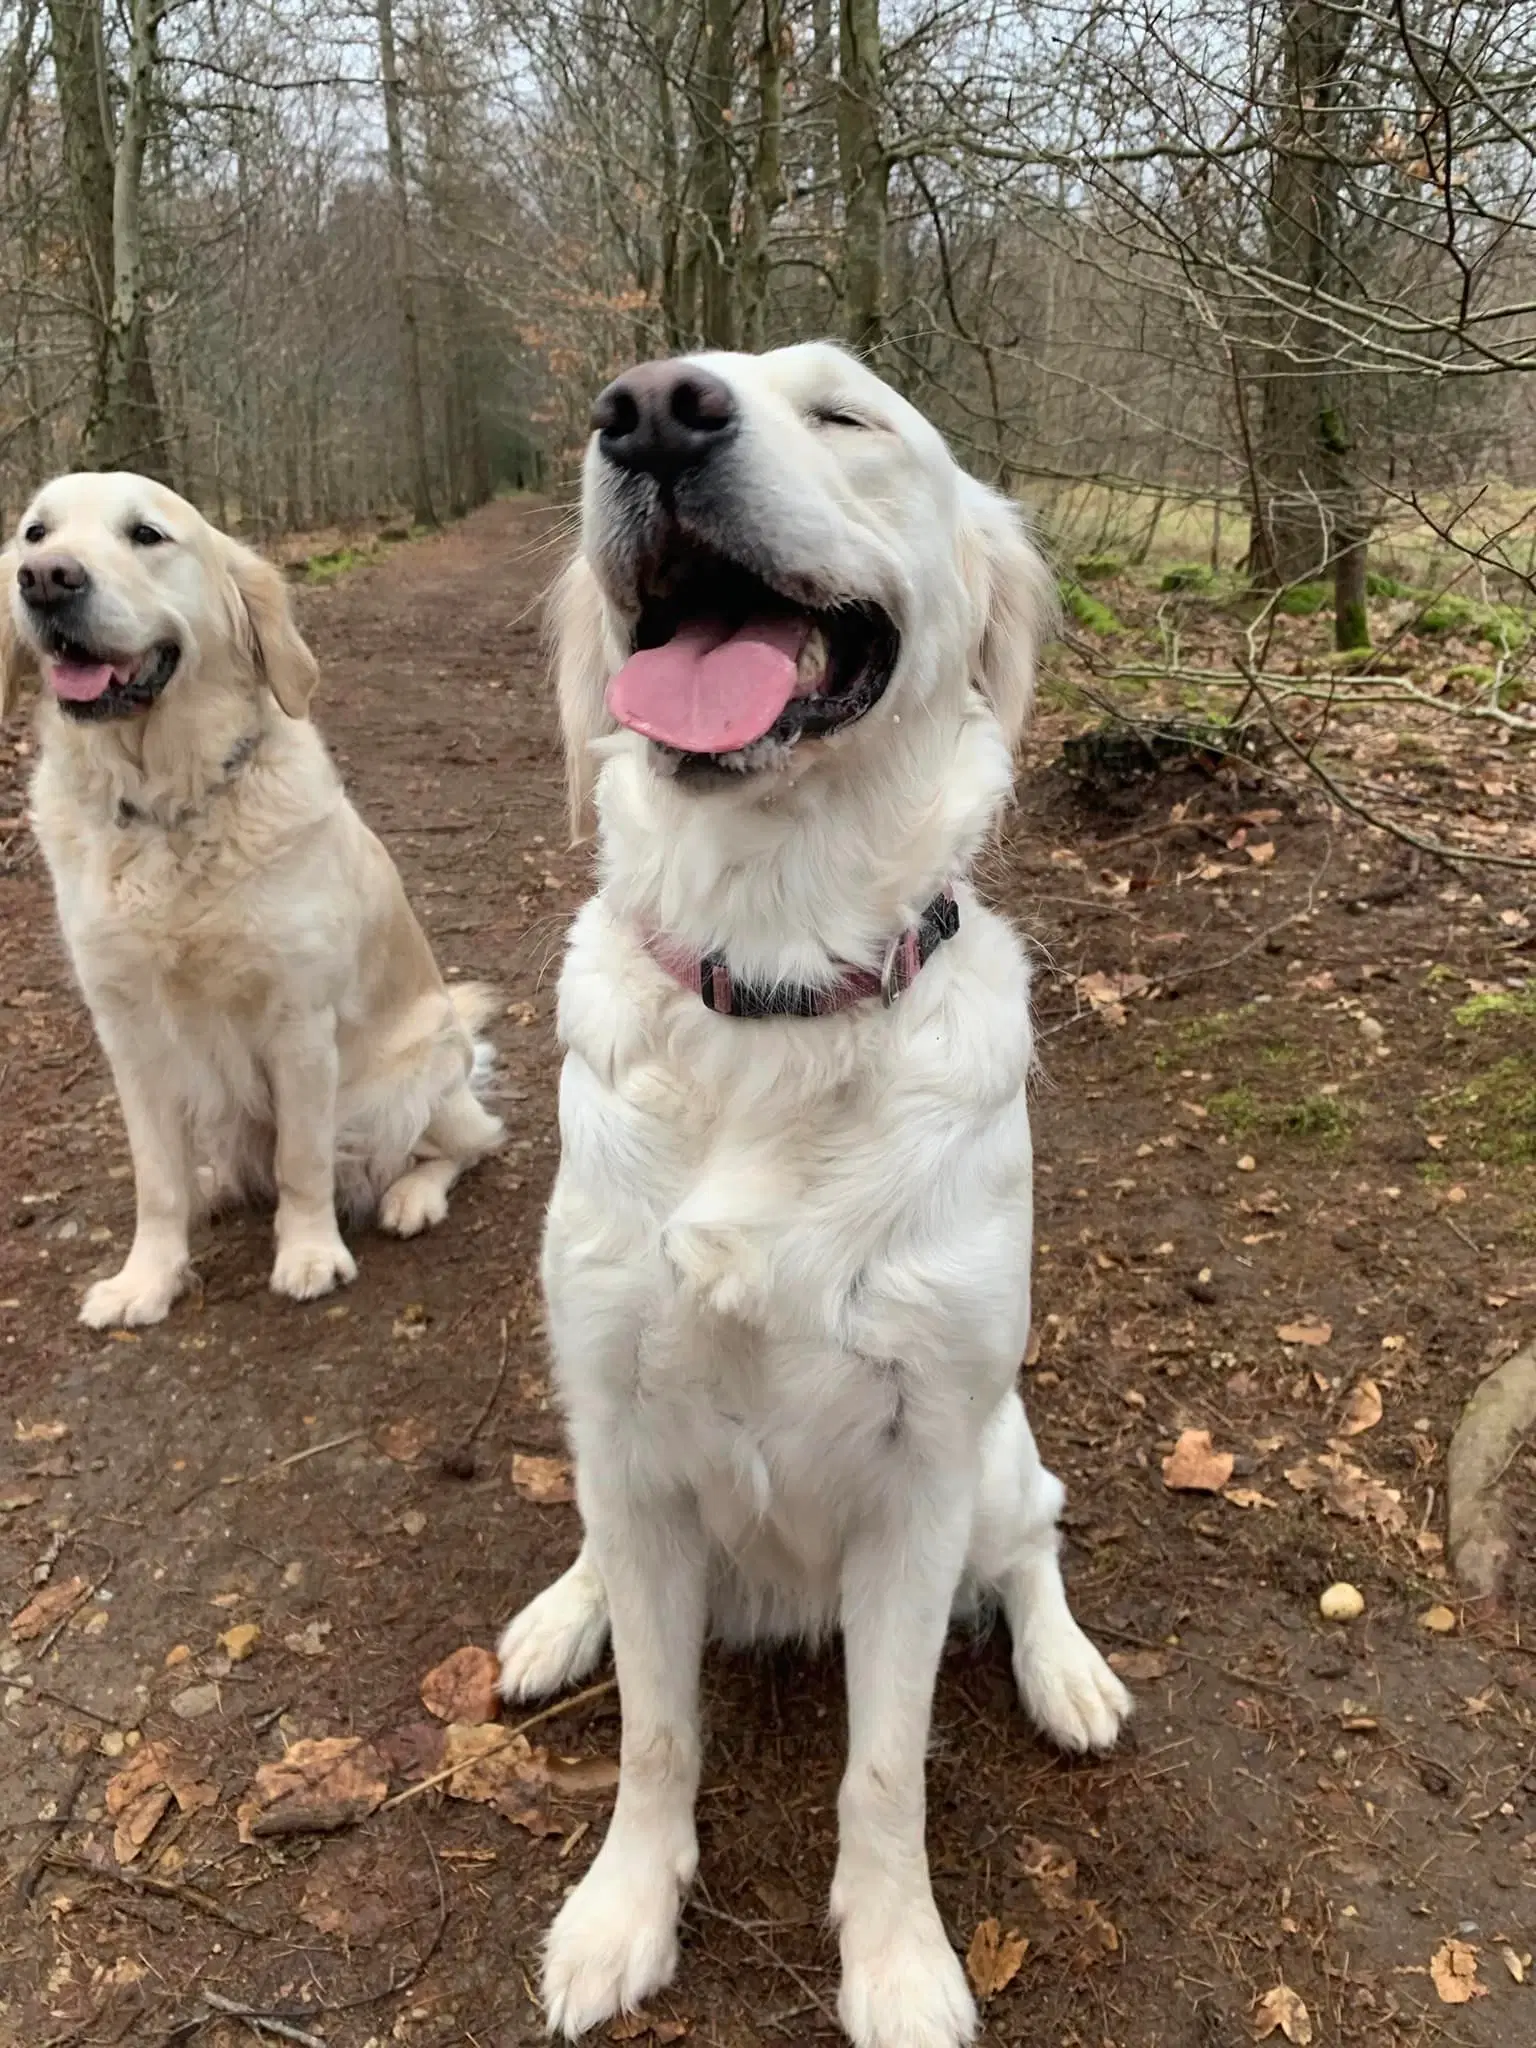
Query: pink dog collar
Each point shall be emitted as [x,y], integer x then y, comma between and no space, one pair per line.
[711,980]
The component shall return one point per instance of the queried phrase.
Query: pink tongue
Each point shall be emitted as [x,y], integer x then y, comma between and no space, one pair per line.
[708,691]
[79,681]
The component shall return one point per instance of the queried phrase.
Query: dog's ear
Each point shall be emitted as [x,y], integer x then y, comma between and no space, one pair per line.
[578,626]
[282,660]
[13,656]
[1014,606]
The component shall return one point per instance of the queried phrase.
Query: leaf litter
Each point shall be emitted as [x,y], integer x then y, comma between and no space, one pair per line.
[1283,2011]
[1194,1466]
[318,1786]
[138,1796]
[992,1961]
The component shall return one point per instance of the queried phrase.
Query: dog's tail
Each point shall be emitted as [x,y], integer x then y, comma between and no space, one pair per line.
[475,1003]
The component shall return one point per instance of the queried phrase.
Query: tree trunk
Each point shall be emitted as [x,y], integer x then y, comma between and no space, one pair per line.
[712,118]
[405,285]
[766,194]
[79,71]
[129,431]
[1302,482]
[822,112]
[1351,620]
[865,173]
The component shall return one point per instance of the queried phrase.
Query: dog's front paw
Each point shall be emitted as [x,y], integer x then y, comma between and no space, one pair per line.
[614,1940]
[413,1203]
[306,1269]
[903,1986]
[141,1293]
[557,1638]
[1070,1692]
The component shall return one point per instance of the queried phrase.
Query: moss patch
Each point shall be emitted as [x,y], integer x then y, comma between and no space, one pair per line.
[1242,1113]
[1088,611]
[1499,1112]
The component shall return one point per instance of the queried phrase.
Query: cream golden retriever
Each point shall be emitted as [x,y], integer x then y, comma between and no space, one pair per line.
[272,1012]
[787,1261]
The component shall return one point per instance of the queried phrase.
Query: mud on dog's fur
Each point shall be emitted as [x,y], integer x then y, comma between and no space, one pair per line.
[274,1018]
[787,1259]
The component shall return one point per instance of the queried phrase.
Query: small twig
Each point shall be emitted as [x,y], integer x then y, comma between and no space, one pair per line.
[577,1699]
[779,1962]
[465,1447]
[1451,1224]
[162,1887]
[295,1458]
[30,1876]
[263,2022]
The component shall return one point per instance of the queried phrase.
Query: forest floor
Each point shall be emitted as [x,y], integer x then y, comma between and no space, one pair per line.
[1286,1133]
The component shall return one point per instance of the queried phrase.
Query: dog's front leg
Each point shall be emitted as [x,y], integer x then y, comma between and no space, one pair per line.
[615,1939]
[902,1982]
[159,1263]
[302,1066]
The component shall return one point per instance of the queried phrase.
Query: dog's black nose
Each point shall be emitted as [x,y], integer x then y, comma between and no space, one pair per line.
[51,579]
[664,417]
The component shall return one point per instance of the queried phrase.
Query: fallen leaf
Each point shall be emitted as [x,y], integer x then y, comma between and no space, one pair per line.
[1453,1972]
[405,1441]
[1262,854]
[1282,2010]
[485,1760]
[40,1432]
[46,1608]
[463,1687]
[412,1752]
[237,1643]
[639,2026]
[137,1797]
[573,1775]
[1310,1330]
[1052,1871]
[1247,1497]
[1192,1466]
[1140,1665]
[993,1958]
[317,1787]
[1345,1489]
[11,1502]
[1516,1965]
[308,1641]
[545,1480]
[1362,1411]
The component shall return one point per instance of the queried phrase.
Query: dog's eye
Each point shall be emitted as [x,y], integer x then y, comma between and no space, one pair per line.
[834,416]
[145,536]
[34,533]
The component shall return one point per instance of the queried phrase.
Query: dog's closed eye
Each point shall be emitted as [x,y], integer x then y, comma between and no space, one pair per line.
[835,416]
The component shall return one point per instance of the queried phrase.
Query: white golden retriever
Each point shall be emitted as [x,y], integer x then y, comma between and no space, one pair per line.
[271,1009]
[788,1249]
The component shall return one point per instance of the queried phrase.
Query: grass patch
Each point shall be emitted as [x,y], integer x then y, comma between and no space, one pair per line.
[1088,611]
[1504,626]
[1515,1002]
[327,568]
[1500,1111]
[1241,1113]
[1387,586]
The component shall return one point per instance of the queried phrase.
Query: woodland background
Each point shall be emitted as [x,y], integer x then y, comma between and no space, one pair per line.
[1254,282]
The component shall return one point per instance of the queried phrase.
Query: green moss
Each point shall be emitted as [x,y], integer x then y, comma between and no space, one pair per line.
[1470,672]
[1440,973]
[1242,1114]
[1098,568]
[1187,576]
[1500,1111]
[1302,600]
[1088,611]
[1504,626]
[1387,586]
[1515,1002]
[326,568]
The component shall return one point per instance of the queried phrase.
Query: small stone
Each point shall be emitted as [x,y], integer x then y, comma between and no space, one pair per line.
[1438,1620]
[195,1702]
[178,1653]
[237,1643]
[113,1742]
[1341,1602]
[413,1521]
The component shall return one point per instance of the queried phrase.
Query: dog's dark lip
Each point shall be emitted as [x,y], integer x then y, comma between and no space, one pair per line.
[155,667]
[690,578]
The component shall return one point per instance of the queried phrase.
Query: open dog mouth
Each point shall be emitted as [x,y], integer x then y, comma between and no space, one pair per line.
[88,683]
[728,673]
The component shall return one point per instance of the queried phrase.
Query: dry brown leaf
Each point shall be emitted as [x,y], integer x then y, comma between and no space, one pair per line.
[1247,1497]
[139,1794]
[40,1432]
[317,1787]
[1345,1489]
[576,1774]
[1140,1664]
[1192,1466]
[46,1608]
[486,1761]
[1362,1411]
[238,1643]
[404,1441]
[993,1958]
[1282,2010]
[1262,854]
[1052,1871]
[1310,1330]
[545,1480]
[463,1687]
[639,2026]
[1453,1972]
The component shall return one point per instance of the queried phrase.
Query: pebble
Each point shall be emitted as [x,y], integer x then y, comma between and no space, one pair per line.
[1342,1602]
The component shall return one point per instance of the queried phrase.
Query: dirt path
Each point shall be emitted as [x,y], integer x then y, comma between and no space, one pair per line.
[1299,1122]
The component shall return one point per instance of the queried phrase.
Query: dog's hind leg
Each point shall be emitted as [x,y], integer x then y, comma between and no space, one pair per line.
[460,1132]
[1069,1690]
[558,1637]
